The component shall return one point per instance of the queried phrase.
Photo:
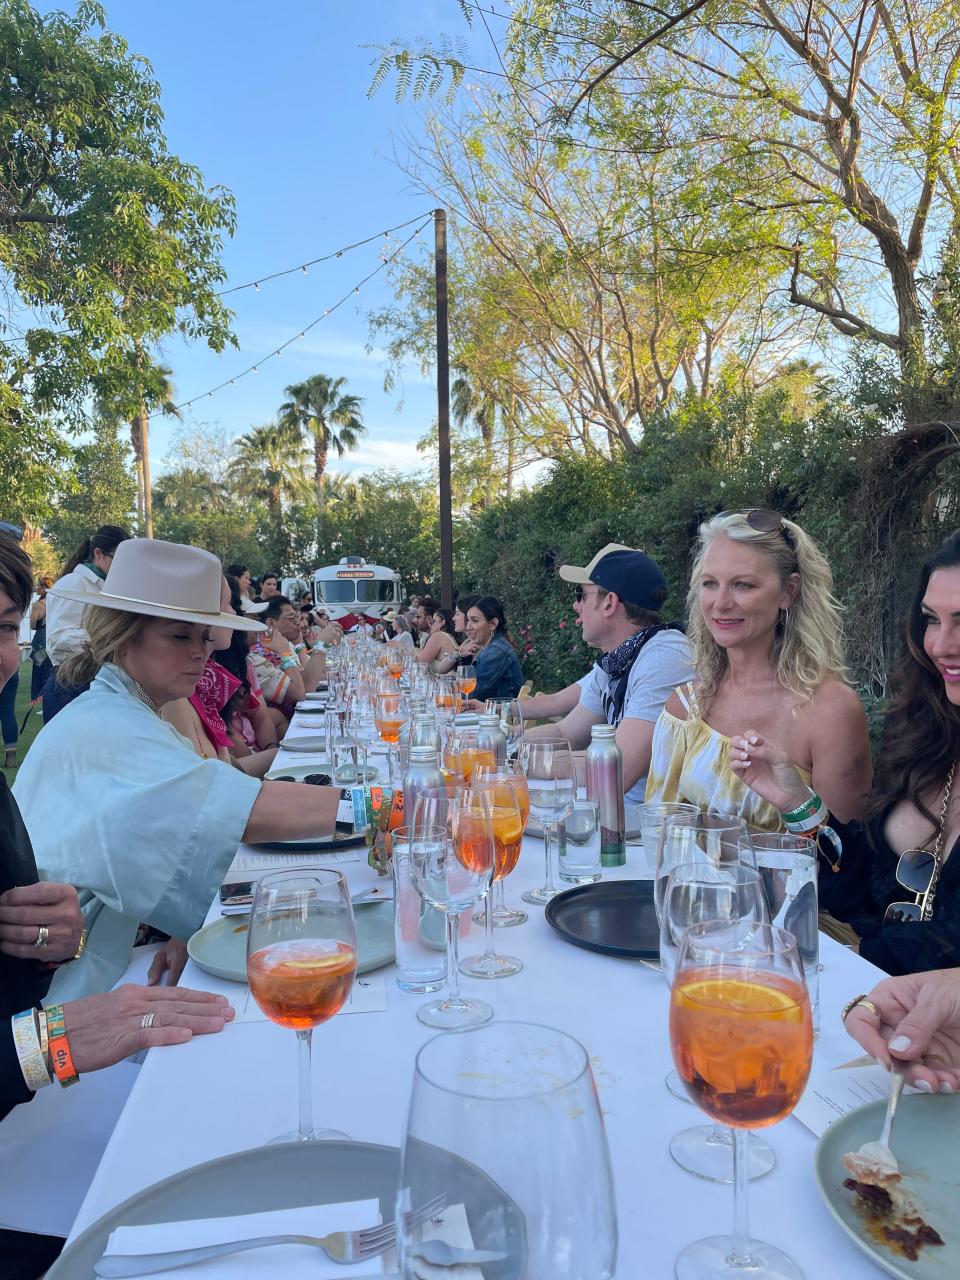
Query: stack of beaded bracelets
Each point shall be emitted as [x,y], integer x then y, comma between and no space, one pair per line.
[40,1036]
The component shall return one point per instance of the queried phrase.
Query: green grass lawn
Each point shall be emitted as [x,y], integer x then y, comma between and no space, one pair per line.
[34,723]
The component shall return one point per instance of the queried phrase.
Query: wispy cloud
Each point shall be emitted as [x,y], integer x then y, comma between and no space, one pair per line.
[351,353]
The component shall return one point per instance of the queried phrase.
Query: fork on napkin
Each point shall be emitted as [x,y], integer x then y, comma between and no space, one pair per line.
[292,1261]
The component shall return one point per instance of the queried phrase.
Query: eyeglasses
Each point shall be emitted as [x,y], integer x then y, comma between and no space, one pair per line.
[764,521]
[580,594]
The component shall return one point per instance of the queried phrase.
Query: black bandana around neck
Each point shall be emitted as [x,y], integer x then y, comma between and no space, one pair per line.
[617,665]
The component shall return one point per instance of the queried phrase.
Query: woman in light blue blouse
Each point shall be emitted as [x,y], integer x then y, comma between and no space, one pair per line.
[489,648]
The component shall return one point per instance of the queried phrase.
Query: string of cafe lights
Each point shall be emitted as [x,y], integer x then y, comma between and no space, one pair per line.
[328,311]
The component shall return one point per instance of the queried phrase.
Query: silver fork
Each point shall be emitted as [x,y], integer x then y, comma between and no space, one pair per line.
[341,1246]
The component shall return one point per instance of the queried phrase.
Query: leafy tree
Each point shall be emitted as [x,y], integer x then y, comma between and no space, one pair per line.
[99,488]
[326,417]
[32,453]
[270,467]
[108,241]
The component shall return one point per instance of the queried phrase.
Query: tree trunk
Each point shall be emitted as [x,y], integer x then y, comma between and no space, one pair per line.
[145,467]
[136,439]
[320,452]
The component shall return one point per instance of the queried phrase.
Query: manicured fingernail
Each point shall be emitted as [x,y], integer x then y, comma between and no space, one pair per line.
[753,741]
[899,1043]
[924,1086]
[945,1088]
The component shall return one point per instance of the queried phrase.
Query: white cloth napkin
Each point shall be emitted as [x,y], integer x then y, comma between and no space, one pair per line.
[291,1261]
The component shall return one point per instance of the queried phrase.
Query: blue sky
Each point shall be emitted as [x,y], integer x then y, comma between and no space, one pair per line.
[270,101]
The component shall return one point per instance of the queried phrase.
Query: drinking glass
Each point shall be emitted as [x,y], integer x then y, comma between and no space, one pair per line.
[505,917]
[395,664]
[451,865]
[717,838]
[391,716]
[350,760]
[420,967]
[507,823]
[788,872]
[504,1122]
[580,848]
[699,892]
[466,678]
[651,818]
[742,1040]
[446,696]
[301,962]
[551,782]
[464,753]
[511,721]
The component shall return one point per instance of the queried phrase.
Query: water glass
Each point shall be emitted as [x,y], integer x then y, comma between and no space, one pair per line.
[699,892]
[418,931]
[504,1122]
[551,784]
[717,838]
[580,844]
[350,761]
[788,872]
[651,818]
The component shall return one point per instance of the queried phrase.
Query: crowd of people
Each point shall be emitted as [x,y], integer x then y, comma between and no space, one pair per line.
[170,684]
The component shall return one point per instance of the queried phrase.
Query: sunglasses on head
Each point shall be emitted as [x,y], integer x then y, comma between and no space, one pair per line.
[763,521]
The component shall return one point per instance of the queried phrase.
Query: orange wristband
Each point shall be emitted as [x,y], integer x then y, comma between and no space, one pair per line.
[62,1062]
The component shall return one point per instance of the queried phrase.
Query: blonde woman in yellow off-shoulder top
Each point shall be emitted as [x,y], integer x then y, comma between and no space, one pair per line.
[765,634]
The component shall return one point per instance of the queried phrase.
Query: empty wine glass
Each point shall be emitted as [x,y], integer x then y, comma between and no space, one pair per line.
[511,721]
[505,1124]
[717,838]
[551,783]
[451,865]
[742,1040]
[301,962]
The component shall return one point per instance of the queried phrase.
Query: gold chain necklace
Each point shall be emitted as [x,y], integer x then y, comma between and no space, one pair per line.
[145,698]
[926,909]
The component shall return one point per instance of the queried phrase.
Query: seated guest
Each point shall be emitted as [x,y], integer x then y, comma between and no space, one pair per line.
[439,643]
[283,676]
[236,717]
[617,607]
[269,585]
[402,633]
[86,570]
[41,925]
[199,718]
[423,615]
[764,630]
[898,881]
[267,722]
[142,825]
[244,581]
[490,650]
[464,603]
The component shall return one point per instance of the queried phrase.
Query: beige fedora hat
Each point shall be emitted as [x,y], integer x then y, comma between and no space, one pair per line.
[163,580]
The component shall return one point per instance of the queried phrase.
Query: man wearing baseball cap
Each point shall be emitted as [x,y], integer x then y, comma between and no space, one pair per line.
[617,605]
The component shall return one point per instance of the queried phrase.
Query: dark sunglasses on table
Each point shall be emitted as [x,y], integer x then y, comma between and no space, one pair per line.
[763,521]
[914,872]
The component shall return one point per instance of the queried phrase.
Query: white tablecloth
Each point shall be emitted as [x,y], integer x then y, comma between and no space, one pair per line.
[236,1090]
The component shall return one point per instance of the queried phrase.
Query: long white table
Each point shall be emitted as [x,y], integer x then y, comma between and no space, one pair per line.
[236,1090]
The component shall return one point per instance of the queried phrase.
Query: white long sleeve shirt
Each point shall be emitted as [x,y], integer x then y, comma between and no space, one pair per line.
[65,630]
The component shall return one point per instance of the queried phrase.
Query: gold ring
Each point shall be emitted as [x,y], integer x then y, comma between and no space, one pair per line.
[83,943]
[852,1004]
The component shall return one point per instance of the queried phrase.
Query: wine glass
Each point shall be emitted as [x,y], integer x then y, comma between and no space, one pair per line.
[505,917]
[464,753]
[551,782]
[717,838]
[466,678]
[698,892]
[451,864]
[511,721]
[652,818]
[504,1122]
[301,962]
[446,697]
[507,822]
[390,717]
[742,1040]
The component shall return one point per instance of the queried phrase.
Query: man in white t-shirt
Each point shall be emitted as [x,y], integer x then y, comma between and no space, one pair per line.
[617,607]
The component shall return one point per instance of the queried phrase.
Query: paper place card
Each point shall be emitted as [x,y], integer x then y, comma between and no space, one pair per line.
[249,865]
[367,995]
[831,1094]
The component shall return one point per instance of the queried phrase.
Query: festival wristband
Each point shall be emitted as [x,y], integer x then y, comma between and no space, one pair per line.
[287,663]
[810,806]
[810,823]
[27,1042]
[44,1037]
[62,1062]
[55,1022]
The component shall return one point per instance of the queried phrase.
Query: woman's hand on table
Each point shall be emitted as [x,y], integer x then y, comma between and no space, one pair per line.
[918,1022]
[107,1028]
[27,908]
[169,960]
[768,771]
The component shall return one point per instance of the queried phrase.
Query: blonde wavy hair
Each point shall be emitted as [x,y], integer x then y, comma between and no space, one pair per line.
[808,644]
[109,633]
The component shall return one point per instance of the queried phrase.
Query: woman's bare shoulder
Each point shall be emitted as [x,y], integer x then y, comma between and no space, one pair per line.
[679,706]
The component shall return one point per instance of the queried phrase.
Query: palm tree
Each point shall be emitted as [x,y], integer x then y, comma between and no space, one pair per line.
[270,465]
[321,414]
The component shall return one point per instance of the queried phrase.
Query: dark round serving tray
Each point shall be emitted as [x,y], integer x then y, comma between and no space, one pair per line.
[614,917]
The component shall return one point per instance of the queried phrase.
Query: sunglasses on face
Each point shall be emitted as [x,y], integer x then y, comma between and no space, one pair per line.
[914,871]
[580,594]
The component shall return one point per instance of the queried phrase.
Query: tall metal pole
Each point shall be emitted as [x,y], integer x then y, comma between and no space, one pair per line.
[443,409]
